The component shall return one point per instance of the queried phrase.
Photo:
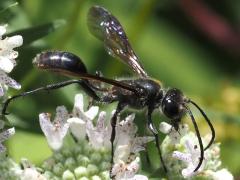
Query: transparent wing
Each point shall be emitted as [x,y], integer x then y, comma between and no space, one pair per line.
[103,25]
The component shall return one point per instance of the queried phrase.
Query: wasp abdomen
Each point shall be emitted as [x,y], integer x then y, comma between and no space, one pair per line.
[59,61]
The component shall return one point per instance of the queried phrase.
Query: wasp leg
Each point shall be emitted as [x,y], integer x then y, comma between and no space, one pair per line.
[49,87]
[155,133]
[120,107]
[146,152]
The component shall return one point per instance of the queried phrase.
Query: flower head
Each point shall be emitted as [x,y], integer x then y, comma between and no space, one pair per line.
[181,152]
[7,59]
[90,157]
[55,131]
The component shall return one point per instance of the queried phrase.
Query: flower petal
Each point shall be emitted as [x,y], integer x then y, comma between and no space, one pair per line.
[139,142]
[6,64]
[186,157]
[189,171]
[61,114]
[101,121]
[14,41]
[6,134]
[79,102]
[9,81]
[1,90]
[222,174]
[45,123]
[92,112]
[121,153]
[31,173]
[124,171]
[99,136]
[165,127]
[77,127]
[139,177]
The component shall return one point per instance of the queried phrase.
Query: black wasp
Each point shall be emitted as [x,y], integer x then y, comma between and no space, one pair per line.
[143,92]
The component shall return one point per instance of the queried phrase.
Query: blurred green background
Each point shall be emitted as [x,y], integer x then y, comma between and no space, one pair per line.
[193,45]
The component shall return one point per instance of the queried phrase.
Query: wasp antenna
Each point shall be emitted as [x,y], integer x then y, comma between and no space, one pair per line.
[209,124]
[199,139]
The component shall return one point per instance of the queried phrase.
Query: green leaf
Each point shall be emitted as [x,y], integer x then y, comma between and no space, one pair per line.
[6,11]
[34,33]
[7,7]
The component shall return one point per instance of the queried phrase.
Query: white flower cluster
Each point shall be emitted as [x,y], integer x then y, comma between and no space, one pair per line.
[7,59]
[183,145]
[7,63]
[81,125]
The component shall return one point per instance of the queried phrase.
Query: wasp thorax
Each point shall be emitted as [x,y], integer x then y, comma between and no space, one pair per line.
[172,104]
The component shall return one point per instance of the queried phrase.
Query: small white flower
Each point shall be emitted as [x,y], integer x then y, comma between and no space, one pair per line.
[125,132]
[221,174]
[7,59]
[139,142]
[139,177]
[4,136]
[55,131]
[174,135]
[78,109]
[127,142]
[190,158]
[99,136]
[127,171]
[126,161]
[81,117]
[30,172]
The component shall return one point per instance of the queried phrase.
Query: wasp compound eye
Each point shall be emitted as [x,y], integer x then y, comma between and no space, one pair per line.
[172,104]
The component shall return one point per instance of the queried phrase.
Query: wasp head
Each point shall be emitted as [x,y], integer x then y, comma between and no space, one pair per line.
[173,105]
